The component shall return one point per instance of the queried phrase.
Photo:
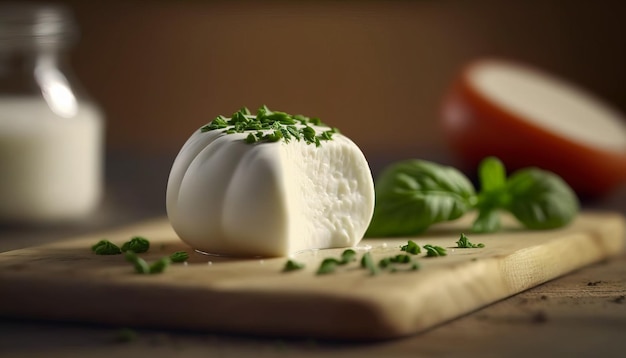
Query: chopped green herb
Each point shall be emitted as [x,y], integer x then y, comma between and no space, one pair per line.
[251,138]
[388,262]
[293,130]
[411,247]
[137,244]
[403,259]
[270,126]
[106,247]
[367,262]
[179,256]
[160,265]
[433,251]
[347,256]
[140,265]
[328,266]
[464,243]
[292,265]
[384,262]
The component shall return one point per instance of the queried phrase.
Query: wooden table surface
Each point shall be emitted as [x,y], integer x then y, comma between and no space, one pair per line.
[579,315]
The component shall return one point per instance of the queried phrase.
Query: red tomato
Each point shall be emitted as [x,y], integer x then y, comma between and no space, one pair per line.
[528,118]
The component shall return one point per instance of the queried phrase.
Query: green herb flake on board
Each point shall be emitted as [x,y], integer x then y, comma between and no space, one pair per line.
[411,247]
[160,265]
[348,256]
[179,256]
[398,263]
[434,251]
[136,244]
[105,247]
[292,265]
[140,265]
[464,243]
[329,265]
[367,262]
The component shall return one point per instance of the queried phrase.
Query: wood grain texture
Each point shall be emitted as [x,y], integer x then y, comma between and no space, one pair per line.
[65,281]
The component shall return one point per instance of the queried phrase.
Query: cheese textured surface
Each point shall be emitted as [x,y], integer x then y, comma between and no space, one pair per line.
[228,197]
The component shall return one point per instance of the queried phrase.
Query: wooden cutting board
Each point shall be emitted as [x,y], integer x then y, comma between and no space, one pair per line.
[65,281]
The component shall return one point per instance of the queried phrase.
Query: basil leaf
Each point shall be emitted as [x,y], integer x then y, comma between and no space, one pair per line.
[493,195]
[491,174]
[487,221]
[414,194]
[540,199]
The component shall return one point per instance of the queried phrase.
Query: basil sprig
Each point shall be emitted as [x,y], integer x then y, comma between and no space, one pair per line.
[412,195]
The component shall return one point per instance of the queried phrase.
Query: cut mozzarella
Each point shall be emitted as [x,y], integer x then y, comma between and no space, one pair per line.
[227,197]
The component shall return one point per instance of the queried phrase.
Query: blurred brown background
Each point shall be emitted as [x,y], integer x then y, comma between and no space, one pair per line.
[375,69]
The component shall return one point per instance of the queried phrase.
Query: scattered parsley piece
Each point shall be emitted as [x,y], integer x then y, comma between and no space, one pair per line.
[245,111]
[293,130]
[271,126]
[433,251]
[328,266]
[411,247]
[348,256]
[292,265]
[137,244]
[388,262]
[367,262]
[251,138]
[106,247]
[464,243]
[160,265]
[179,256]
[384,263]
[402,259]
[140,265]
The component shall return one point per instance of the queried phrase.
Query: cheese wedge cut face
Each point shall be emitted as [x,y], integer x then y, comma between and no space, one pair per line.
[228,197]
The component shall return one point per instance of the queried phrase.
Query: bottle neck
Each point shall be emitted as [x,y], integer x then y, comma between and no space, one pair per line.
[19,66]
[35,27]
[31,36]
[33,40]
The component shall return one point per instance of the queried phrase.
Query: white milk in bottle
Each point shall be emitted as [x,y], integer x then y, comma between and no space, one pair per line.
[51,136]
[50,166]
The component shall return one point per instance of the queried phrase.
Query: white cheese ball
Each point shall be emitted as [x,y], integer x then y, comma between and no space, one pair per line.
[227,197]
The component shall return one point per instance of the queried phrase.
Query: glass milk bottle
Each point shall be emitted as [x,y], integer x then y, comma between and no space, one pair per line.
[51,135]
